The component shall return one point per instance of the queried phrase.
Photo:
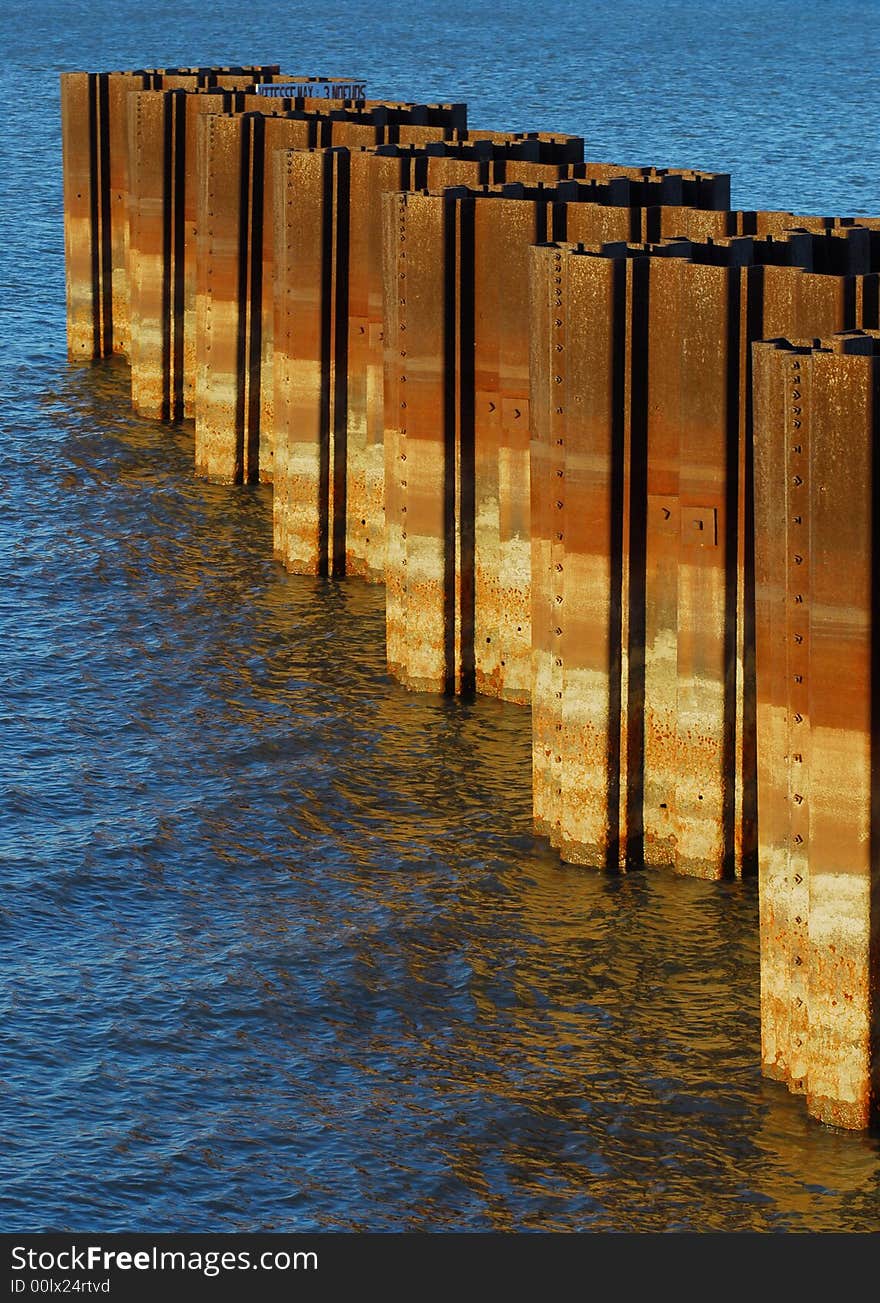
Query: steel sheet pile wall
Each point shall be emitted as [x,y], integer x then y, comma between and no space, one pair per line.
[96,152]
[162,253]
[643,700]
[466,619]
[235,313]
[529,393]
[817,532]
[165,187]
[328,352]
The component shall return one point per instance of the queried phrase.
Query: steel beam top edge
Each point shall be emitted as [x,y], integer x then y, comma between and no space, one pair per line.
[268,69]
[856,343]
[799,245]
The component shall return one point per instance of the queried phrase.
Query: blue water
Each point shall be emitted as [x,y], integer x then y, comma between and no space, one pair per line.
[278,949]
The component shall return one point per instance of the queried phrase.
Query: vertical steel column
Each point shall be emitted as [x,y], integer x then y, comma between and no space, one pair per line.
[281,133]
[373,174]
[782,554]
[591,570]
[96,139]
[162,206]
[307,490]
[579,484]
[229,292]
[212,100]
[547,448]
[505,228]
[488,565]
[221,299]
[149,272]
[465,441]
[95,212]
[395,262]
[421,340]
[659,594]
[85,337]
[161,272]
[589,315]
[709,740]
[817,474]
[120,88]
[240,413]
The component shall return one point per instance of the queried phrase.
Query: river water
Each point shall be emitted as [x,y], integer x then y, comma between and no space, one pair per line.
[278,949]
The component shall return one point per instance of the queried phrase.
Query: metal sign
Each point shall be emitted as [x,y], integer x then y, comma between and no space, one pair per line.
[328,90]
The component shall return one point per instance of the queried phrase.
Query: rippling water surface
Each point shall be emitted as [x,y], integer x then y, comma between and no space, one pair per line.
[279,949]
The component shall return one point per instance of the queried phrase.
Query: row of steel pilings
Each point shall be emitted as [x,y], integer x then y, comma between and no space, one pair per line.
[529,394]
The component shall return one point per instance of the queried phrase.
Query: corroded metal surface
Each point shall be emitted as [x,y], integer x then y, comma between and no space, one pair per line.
[96,143]
[95,210]
[468,619]
[688,362]
[576,543]
[81,234]
[420,451]
[372,175]
[490,288]
[816,473]
[162,205]
[699,798]
[100,206]
[305,478]
[162,252]
[546,452]
[502,599]
[235,437]
[150,252]
[351,361]
[221,298]
[118,162]
[683,329]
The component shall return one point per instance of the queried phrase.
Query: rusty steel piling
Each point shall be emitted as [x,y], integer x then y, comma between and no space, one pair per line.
[96,152]
[677,629]
[333,375]
[610,444]
[479,411]
[817,532]
[234,399]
